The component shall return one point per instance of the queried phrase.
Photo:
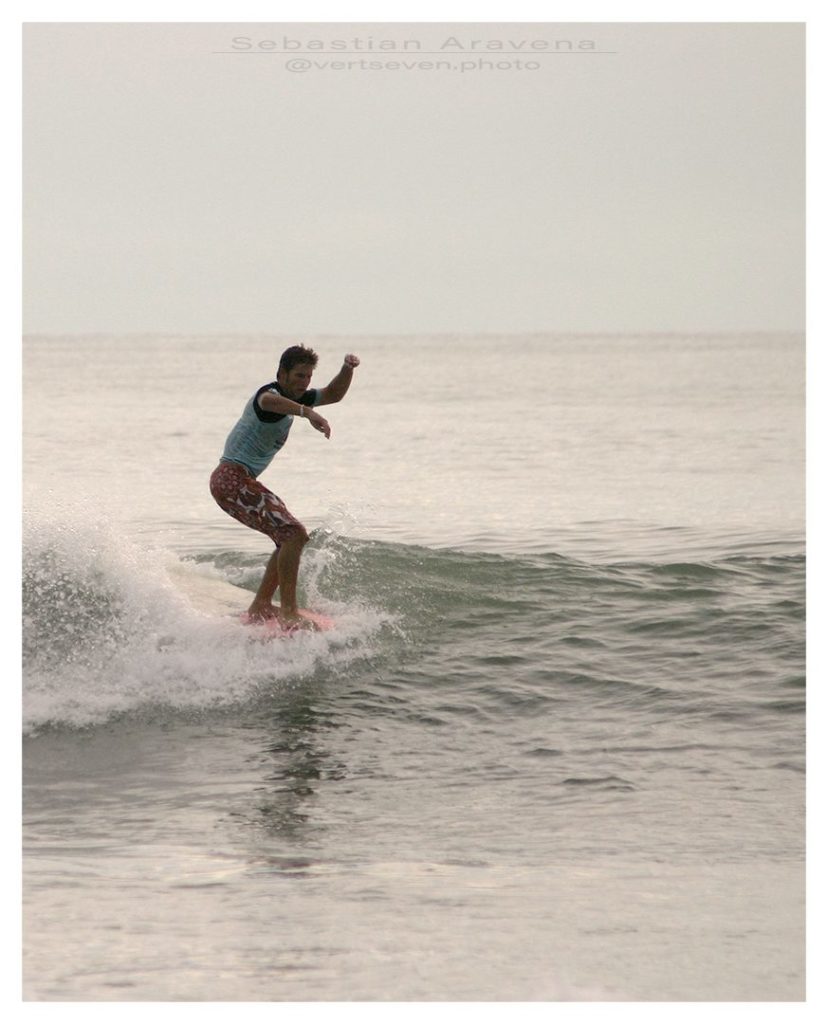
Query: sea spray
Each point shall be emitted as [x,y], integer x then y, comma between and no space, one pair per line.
[106,633]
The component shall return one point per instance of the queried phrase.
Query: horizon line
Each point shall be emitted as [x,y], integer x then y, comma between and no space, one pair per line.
[671,332]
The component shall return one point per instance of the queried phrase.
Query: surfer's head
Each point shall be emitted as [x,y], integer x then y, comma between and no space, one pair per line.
[295,355]
[296,369]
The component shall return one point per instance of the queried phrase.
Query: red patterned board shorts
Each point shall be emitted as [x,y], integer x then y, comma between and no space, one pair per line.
[244,498]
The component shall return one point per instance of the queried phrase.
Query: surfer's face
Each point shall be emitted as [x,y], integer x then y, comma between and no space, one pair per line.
[296,381]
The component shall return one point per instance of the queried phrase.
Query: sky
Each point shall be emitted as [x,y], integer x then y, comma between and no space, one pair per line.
[649,179]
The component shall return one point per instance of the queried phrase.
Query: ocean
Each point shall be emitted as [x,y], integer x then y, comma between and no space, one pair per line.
[554,749]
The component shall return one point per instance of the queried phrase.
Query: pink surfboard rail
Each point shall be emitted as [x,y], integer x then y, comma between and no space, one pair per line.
[273,627]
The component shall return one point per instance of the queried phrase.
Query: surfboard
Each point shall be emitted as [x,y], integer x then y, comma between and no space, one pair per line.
[213,596]
[316,623]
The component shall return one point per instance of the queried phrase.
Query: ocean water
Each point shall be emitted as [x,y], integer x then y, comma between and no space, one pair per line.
[554,749]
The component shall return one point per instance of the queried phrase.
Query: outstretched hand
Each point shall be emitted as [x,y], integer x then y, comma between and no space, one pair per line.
[351,361]
[319,423]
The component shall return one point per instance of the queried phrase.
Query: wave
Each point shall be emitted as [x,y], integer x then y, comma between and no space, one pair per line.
[106,634]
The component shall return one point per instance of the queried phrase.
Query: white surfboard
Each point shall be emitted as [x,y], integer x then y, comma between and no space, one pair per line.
[209,594]
[212,596]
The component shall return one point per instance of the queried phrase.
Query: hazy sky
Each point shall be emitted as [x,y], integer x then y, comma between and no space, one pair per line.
[652,181]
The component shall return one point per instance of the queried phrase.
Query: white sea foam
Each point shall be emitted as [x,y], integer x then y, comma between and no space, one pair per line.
[106,631]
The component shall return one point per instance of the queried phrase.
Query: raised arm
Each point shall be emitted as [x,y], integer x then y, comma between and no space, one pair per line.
[282,404]
[338,387]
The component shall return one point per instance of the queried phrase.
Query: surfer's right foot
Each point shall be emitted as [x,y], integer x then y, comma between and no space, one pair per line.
[293,620]
[261,612]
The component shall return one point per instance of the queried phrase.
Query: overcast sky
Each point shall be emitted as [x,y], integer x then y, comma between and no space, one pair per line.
[652,180]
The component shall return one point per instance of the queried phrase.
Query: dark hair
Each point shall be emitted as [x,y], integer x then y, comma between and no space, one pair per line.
[296,355]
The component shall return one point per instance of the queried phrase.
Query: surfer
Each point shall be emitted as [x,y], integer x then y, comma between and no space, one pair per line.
[251,445]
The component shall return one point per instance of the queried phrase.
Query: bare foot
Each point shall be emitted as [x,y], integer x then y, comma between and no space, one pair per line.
[261,612]
[292,621]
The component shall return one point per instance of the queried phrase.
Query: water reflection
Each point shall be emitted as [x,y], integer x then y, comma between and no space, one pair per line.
[294,764]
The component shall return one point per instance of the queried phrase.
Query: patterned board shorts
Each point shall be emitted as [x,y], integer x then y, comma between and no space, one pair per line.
[244,498]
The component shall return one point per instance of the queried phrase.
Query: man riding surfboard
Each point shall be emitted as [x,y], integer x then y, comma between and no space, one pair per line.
[251,445]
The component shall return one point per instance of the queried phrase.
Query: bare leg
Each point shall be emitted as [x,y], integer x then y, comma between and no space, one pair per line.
[282,571]
[262,606]
[290,554]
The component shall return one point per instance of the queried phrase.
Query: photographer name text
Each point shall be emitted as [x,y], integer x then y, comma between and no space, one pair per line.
[451,44]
